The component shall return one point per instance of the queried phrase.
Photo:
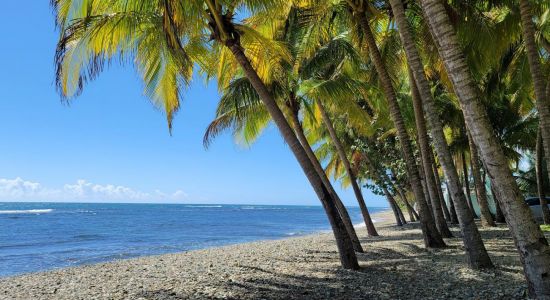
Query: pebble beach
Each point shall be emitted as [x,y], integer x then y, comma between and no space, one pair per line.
[395,265]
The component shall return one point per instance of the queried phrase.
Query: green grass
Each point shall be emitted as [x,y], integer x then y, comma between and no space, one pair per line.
[545,228]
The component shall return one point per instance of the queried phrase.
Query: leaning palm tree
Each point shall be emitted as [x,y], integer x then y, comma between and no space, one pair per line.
[425,154]
[481,192]
[355,14]
[166,39]
[539,78]
[531,243]
[299,87]
[324,82]
[477,254]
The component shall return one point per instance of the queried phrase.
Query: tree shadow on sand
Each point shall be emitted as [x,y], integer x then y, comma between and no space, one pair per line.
[402,270]
[368,283]
[385,274]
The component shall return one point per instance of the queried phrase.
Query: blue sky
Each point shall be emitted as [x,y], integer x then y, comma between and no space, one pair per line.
[110,144]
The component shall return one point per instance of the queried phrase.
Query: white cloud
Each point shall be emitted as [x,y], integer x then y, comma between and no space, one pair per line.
[82,190]
[18,187]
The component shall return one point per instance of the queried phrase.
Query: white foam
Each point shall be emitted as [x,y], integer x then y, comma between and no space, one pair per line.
[205,206]
[26,211]
[262,208]
[360,225]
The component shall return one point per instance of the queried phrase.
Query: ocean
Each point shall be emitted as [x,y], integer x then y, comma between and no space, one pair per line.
[44,236]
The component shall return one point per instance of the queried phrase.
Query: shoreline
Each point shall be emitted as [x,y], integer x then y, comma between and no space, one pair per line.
[394,265]
[377,217]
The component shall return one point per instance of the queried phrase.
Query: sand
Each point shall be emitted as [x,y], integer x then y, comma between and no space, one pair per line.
[395,266]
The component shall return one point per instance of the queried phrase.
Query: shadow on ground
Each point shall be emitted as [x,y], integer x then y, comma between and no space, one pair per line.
[394,266]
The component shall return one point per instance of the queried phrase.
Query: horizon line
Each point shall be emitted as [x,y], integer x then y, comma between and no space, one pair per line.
[173,203]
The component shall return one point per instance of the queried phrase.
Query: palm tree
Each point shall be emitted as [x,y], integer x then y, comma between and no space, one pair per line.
[347,165]
[481,192]
[343,211]
[425,150]
[322,81]
[413,215]
[241,109]
[303,83]
[532,245]
[165,40]
[477,254]
[432,238]
[543,102]
[380,158]
[439,188]
[466,181]
[384,183]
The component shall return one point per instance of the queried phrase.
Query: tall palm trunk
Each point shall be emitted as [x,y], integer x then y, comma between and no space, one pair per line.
[348,258]
[532,245]
[499,215]
[382,179]
[311,155]
[393,206]
[413,215]
[425,150]
[432,238]
[481,192]
[347,165]
[467,183]
[452,210]
[475,248]
[539,168]
[439,189]
[539,78]
[427,199]
[399,210]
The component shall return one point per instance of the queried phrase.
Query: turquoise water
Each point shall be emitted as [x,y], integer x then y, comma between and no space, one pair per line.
[44,236]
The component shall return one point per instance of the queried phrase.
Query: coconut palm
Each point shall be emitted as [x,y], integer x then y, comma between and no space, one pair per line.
[539,78]
[532,245]
[303,88]
[359,22]
[425,150]
[477,254]
[481,192]
[166,39]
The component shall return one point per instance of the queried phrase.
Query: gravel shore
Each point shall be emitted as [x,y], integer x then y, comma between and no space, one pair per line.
[395,266]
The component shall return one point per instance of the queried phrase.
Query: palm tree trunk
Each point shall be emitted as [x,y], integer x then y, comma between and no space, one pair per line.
[425,149]
[353,179]
[432,238]
[499,215]
[400,211]
[475,248]
[299,130]
[481,192]
[382,180]
[467,183]
[413,215]
[539,78]
[409,209]
[454,217]
[428,199]
[444,207]
[539,168]
[348,258]
[532,245]
[393,206]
